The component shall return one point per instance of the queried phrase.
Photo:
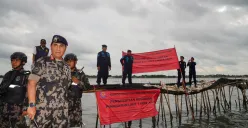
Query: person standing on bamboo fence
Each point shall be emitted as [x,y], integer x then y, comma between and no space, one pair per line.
[192,71]
[181,71]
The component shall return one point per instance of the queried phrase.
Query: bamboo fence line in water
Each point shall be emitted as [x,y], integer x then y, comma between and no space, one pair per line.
[208,99]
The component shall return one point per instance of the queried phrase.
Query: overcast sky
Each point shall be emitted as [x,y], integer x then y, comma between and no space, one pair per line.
[215,32]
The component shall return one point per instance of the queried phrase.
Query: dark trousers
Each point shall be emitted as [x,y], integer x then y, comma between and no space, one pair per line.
[124,76]
[192,74]
[102,74]
[180,76]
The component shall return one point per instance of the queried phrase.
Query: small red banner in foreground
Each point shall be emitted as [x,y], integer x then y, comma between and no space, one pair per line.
[155,61]
[126,105]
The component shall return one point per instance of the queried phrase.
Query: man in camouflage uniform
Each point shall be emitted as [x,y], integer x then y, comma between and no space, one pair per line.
[80,83]
[52,78]
[13,91]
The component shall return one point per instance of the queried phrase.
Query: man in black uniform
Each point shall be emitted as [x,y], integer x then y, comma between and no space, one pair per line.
[103,65]
[80,83]
[40,51]
[181,71]
[127,65]
[13,92]
[192,71]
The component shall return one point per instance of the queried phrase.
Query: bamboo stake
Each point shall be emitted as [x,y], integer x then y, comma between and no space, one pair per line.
[192,112]
[221,100]
[168,103]
[236,104]
[196,105]
[161,102]
[140,123]
[163,111]
[229,97]
[214,108]
[205,97]
[186,101]
[192,103]
[176,106]
[217,98]
[224,98]
[204,104]
[97,120]
[154,122]
[209,103]
[158,109]
[180,110]
[201,106]
[238,99]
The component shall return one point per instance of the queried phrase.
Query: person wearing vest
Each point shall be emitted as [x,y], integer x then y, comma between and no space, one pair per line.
[40,51]
[181,71]
[192,71]
[13,92]
[79,84]
[103,65]
[127,65]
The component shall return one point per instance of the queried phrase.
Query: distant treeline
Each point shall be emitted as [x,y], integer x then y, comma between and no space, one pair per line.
[165,76]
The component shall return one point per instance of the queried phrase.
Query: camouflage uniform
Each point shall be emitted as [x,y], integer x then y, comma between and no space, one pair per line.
[75,106]
[12,116]
[54,78]
[11,112]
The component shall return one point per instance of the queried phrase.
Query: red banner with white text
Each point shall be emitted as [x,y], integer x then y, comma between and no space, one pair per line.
[126,105]
[155,61]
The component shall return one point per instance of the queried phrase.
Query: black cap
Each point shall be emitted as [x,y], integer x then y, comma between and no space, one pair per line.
[70,56]
[59,39]
[19,55]
[104,46]
[43,40]
[129,51]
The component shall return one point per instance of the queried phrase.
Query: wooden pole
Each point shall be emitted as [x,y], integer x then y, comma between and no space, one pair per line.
[201,105]
[209,103]
[168,103]
[238,99]
[196,104]
[140,123]
[159,108]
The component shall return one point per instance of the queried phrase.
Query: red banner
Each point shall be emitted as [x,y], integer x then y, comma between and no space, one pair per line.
[126,105]
[155,61]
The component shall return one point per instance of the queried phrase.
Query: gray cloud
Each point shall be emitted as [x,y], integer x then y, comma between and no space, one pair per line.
[213,31]
[73,4]
[129,8]
[29,7]
[242,3]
